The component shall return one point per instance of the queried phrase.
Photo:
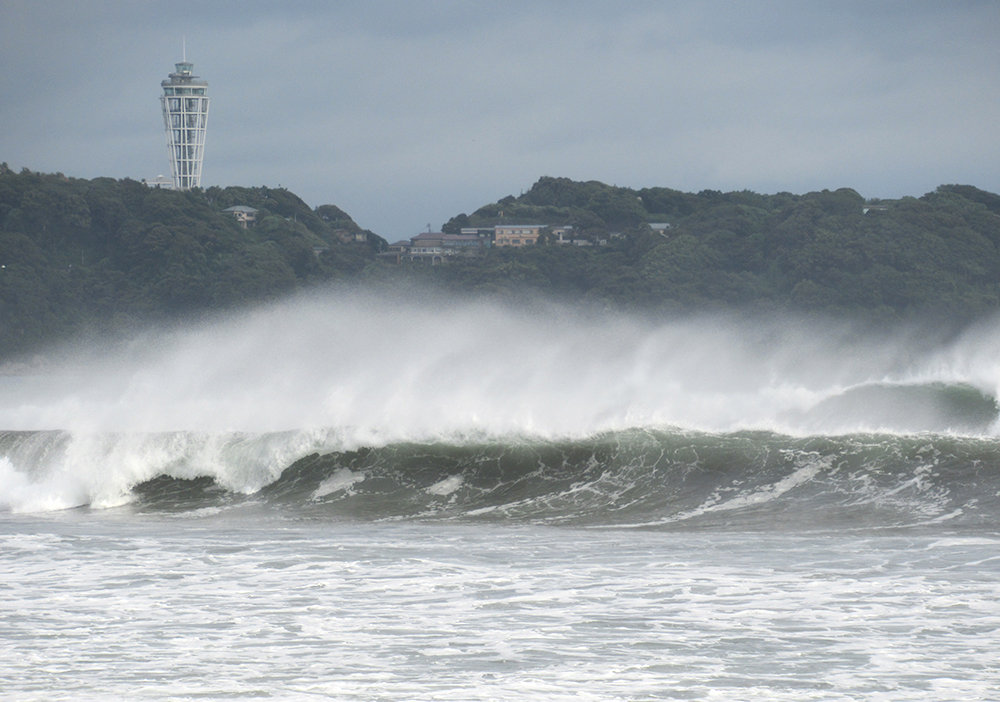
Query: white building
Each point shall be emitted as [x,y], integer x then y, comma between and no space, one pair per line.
[185,116]
[160,181]
[246,216]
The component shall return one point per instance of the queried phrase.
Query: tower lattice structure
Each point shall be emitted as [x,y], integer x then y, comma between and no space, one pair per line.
[185,116]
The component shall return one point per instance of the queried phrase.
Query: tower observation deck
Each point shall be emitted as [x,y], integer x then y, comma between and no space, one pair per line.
[185,116]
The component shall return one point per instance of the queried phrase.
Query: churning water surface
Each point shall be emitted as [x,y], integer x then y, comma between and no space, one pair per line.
[340,498]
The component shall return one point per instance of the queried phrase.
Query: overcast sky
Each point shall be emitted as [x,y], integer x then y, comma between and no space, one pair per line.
[405,113]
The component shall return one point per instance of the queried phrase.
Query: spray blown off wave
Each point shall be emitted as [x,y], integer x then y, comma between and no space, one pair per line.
[385,408]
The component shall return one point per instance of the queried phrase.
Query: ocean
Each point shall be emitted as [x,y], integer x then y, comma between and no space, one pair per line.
[354,497]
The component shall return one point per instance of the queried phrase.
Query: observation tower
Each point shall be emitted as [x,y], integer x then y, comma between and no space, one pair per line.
[185,115]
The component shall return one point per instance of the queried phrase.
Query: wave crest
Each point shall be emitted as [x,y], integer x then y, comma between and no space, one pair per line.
[636,478]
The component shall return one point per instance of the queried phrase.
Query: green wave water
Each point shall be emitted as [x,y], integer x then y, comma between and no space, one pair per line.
[639,478]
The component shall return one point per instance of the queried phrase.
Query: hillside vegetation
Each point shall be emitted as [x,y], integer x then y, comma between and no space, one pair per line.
[94,255]
[87,256]
[936,257]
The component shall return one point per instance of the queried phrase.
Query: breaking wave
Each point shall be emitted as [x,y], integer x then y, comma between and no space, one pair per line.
[647,477]
[359,407]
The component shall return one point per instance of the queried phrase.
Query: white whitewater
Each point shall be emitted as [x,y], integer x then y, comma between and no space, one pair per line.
[240,398]
[238,597]
[391,370]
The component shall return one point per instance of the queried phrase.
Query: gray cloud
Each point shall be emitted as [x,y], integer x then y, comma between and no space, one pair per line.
[405,113]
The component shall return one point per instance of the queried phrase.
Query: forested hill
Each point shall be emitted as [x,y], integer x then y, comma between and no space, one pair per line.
[82,256]
[91,255]
[936,257]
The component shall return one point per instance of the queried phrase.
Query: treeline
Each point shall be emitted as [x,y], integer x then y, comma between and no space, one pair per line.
[82,256]
[936,257]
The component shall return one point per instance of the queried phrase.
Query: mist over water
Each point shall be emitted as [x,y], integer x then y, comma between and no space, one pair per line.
[358,495]
[389,369]
[241,398]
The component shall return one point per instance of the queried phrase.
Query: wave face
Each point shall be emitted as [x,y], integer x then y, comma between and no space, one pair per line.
[652,478]
[355,405]
[636,478]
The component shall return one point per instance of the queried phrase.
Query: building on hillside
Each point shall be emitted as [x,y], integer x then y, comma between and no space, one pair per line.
[427,241]
[185,116]
[436,247]
[347,236]
[424,248]
[452,243]
[562,234]
[160,181]
[246,216]
[517,234]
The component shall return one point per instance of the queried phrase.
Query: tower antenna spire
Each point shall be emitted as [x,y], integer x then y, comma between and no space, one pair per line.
[184,49]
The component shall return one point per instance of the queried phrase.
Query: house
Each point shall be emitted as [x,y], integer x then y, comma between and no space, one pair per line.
[428,242]
[436,247]
[517,234]
[246,216]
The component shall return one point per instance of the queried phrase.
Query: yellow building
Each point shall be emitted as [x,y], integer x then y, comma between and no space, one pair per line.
[517,234]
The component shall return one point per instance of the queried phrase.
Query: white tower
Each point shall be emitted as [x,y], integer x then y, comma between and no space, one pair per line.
[185,115]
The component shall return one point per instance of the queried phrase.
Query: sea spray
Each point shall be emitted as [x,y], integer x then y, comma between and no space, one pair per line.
[393,370]
[240,400]
[42,471]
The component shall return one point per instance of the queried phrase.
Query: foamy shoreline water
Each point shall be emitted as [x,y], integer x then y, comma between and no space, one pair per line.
[335,498]
[107,606]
